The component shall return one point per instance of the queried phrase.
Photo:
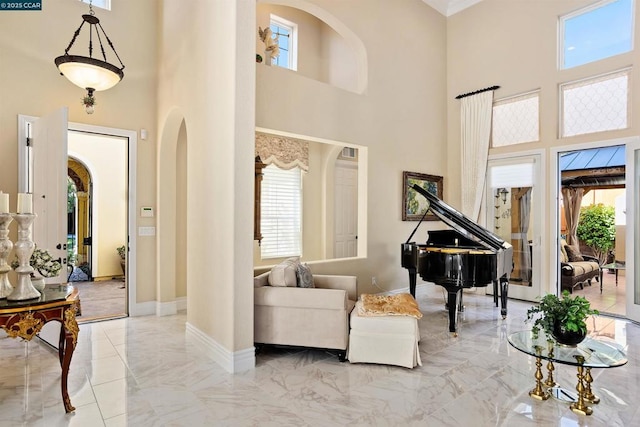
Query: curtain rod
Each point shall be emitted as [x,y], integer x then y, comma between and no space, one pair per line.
[477,91]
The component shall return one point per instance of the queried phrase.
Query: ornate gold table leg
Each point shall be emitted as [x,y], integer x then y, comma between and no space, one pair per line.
[579,407]
[70,332]
[588,394]
[538,392]
[550,382]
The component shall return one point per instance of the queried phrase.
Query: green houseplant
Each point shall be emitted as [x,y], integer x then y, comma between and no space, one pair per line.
[597,229]
[559,317]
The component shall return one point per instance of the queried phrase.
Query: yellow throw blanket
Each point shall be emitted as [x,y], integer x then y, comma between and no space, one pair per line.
[389,305]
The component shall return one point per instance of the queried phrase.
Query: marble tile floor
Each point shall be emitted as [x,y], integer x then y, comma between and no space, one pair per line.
[145,371]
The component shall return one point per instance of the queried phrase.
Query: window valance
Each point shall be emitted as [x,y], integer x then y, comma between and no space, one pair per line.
[284,152]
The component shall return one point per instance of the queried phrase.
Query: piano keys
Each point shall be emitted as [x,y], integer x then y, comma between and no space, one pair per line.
[466,256]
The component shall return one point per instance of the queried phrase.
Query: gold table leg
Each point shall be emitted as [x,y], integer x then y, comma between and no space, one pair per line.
[579,407]
[588,394]
[538,392]
[550,382]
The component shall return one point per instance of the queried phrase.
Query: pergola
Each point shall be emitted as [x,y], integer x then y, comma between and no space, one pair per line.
[584,170]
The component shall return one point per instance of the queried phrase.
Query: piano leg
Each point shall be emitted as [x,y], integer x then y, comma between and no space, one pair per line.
[452,304]
[504,289]
[412,281]
[495,292]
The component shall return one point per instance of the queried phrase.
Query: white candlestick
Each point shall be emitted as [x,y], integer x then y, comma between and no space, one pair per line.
[25,203]
[4,202]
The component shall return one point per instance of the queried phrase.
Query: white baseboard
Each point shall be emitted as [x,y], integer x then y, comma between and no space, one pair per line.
[404,290]
[143,309]
[232,362]
[166,308]
[159,309]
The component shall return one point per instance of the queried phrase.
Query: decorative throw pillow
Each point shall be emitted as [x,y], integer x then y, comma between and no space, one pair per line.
[305,278]
[284,274]
[573,254]
[563,252]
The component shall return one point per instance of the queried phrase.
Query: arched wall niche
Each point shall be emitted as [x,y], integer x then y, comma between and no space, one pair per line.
[340,61]
[171,186]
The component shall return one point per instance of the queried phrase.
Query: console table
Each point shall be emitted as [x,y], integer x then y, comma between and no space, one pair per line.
[25,319]
[590,353]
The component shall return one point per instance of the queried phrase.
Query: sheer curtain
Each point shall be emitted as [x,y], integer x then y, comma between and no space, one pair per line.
[475,133]
[571,199]
[523,229]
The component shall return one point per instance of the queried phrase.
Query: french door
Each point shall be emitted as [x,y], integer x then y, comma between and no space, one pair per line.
[633,229]
[514,209]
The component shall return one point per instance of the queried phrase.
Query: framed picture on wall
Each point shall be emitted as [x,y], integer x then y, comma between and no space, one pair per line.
[413,203]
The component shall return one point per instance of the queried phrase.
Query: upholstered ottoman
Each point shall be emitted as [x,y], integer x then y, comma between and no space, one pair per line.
[389,340]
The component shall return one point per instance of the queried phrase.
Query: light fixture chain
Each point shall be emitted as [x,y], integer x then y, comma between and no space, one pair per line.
[104,54]
[111,45]
[73,39]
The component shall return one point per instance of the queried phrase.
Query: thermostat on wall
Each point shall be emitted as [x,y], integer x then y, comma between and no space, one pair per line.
[146,212]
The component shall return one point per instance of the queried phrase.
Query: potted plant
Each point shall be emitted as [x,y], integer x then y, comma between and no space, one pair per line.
[561,318]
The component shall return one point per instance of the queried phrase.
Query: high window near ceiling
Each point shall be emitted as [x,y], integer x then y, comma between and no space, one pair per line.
[595,105]
[516,120]
[596,32]
[102,4]
[286,32]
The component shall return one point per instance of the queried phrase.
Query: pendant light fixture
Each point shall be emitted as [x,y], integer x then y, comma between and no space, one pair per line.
[87,72]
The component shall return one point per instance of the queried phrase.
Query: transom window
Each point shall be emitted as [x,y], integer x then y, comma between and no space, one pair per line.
[286,32]
[516,120]
[281,212]
[596,32]
[595,105]
[103,4]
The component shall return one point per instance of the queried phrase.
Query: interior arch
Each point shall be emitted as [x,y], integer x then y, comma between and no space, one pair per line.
[171,188]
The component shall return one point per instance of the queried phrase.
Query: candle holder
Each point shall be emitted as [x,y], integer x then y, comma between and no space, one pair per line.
[24,290]
[5,249]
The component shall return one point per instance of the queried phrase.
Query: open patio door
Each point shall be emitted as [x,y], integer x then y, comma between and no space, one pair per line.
[633,229]
[42,171]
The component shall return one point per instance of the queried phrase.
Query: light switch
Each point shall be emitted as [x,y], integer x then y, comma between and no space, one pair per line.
[146,231]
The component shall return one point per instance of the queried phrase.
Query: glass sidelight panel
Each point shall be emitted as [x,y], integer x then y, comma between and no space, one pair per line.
[512,191]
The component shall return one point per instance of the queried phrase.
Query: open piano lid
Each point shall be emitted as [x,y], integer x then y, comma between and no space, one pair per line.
[459,222]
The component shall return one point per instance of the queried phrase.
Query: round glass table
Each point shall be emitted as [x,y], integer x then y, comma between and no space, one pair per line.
[590,353]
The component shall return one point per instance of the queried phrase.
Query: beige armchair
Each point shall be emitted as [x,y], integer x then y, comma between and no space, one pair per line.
[308,317]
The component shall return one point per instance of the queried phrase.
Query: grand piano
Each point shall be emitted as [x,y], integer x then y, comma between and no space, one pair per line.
[466,256]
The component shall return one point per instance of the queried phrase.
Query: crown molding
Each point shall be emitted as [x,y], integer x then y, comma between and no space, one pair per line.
[450,7]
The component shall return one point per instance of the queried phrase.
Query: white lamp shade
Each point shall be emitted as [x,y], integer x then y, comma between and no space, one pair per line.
[88,72]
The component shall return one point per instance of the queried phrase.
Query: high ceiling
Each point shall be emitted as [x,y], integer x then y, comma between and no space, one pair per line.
[450,7]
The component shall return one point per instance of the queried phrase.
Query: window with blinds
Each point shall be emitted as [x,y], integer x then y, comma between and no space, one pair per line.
[281,221]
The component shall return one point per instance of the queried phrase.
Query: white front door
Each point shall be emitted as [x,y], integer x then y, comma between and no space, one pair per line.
[633,229]
[44,173]
[514,211]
